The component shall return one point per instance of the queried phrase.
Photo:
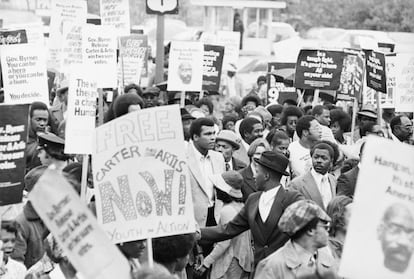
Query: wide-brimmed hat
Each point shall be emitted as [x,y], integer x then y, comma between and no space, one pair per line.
[274,161]
[230,137]
[185,115]
[64,86]
[299,214]
[368,111]
[228,182]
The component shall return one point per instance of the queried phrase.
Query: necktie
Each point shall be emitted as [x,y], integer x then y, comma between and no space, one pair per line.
[325,191]
[227,166]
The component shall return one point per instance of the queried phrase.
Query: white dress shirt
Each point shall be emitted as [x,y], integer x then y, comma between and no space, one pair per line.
[206,168]
[324,187]
[266,202]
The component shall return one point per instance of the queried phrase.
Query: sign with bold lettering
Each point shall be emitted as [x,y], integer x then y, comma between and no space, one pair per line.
[376,71]
[352,76]
[381,236]
[99,46]
[133,52]
[212,66]
[24,74]
[13,137]
[116,13]
[404,82]
[280,82]
[76,230]
[81,112]
[140,173]
[319,69]
[13,37]
[185,70]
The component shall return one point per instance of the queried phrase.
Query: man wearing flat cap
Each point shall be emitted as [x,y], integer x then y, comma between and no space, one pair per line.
[51,150]
[262,210]
[301,257]
[226,143]
[150,97]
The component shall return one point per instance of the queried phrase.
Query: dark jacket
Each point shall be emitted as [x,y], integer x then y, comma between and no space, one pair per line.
[249,183]
[29,247]
[346,182]
[237,164]
[266,240]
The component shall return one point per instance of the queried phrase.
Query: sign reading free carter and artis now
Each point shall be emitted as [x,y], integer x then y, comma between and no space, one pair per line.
[140,174]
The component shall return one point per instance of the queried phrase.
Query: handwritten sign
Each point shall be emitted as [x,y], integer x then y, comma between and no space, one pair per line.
[133,58]
[24,74]
[75,229]
[404,82]
[13,136]
[140,173]
[81,113]
[376,71]
[116,13]
[63,11]
[71,46]
[185,70]
[13,37]
[231,42]
[381,236]
[99,53]
[212,66]
[319,69]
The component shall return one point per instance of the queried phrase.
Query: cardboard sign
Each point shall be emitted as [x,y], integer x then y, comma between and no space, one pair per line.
[185,70]
[212,66]
[280,82]
[404,80]
[13,137]
[81,113]
[319,69]
[231,42]
[71,46]
[376,79]
[379,239]
[24,74]
[133,60]
[141,184]
[75,229]
[13,37]
[116,13]
[99,46]
[74,11]
[352,76]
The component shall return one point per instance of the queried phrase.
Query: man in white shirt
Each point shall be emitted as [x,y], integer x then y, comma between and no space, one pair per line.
[9,268]
[318,184]
[309,132]
[323,115]
[250,129]
[402,128]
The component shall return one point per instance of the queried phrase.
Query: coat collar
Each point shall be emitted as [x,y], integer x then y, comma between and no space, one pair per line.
[294,257]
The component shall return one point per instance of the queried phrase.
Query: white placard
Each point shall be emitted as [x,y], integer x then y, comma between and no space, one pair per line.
[116,13]
[231,42]
[81,112]
[24,73]
[141,183]
[404,79]
[71,46]
[185,69]
[99,53]
[380,236]
[76,230]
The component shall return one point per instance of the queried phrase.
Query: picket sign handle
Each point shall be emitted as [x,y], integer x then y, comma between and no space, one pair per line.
[354,112]
[85,163]
[100,107]
[182,99]
[201,95]
[149,251]
[378,108]
[315,97]
[300,96]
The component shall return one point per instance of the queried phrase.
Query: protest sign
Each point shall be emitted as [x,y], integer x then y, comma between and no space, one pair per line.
[352,76]
[13,37]
[318,69]
[231,42]
[13,137]
[388,99]
[75,229]
[212,66]
[71,46]
[99,53]
[185,70]
[381,236]
[133,60]
[375,68]
[81,112]
[280,82]
[74,11]
[116,13]
[141,183]
[24,74]
[404,82]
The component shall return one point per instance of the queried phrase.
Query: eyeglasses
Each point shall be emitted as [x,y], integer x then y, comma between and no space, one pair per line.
[326,226]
